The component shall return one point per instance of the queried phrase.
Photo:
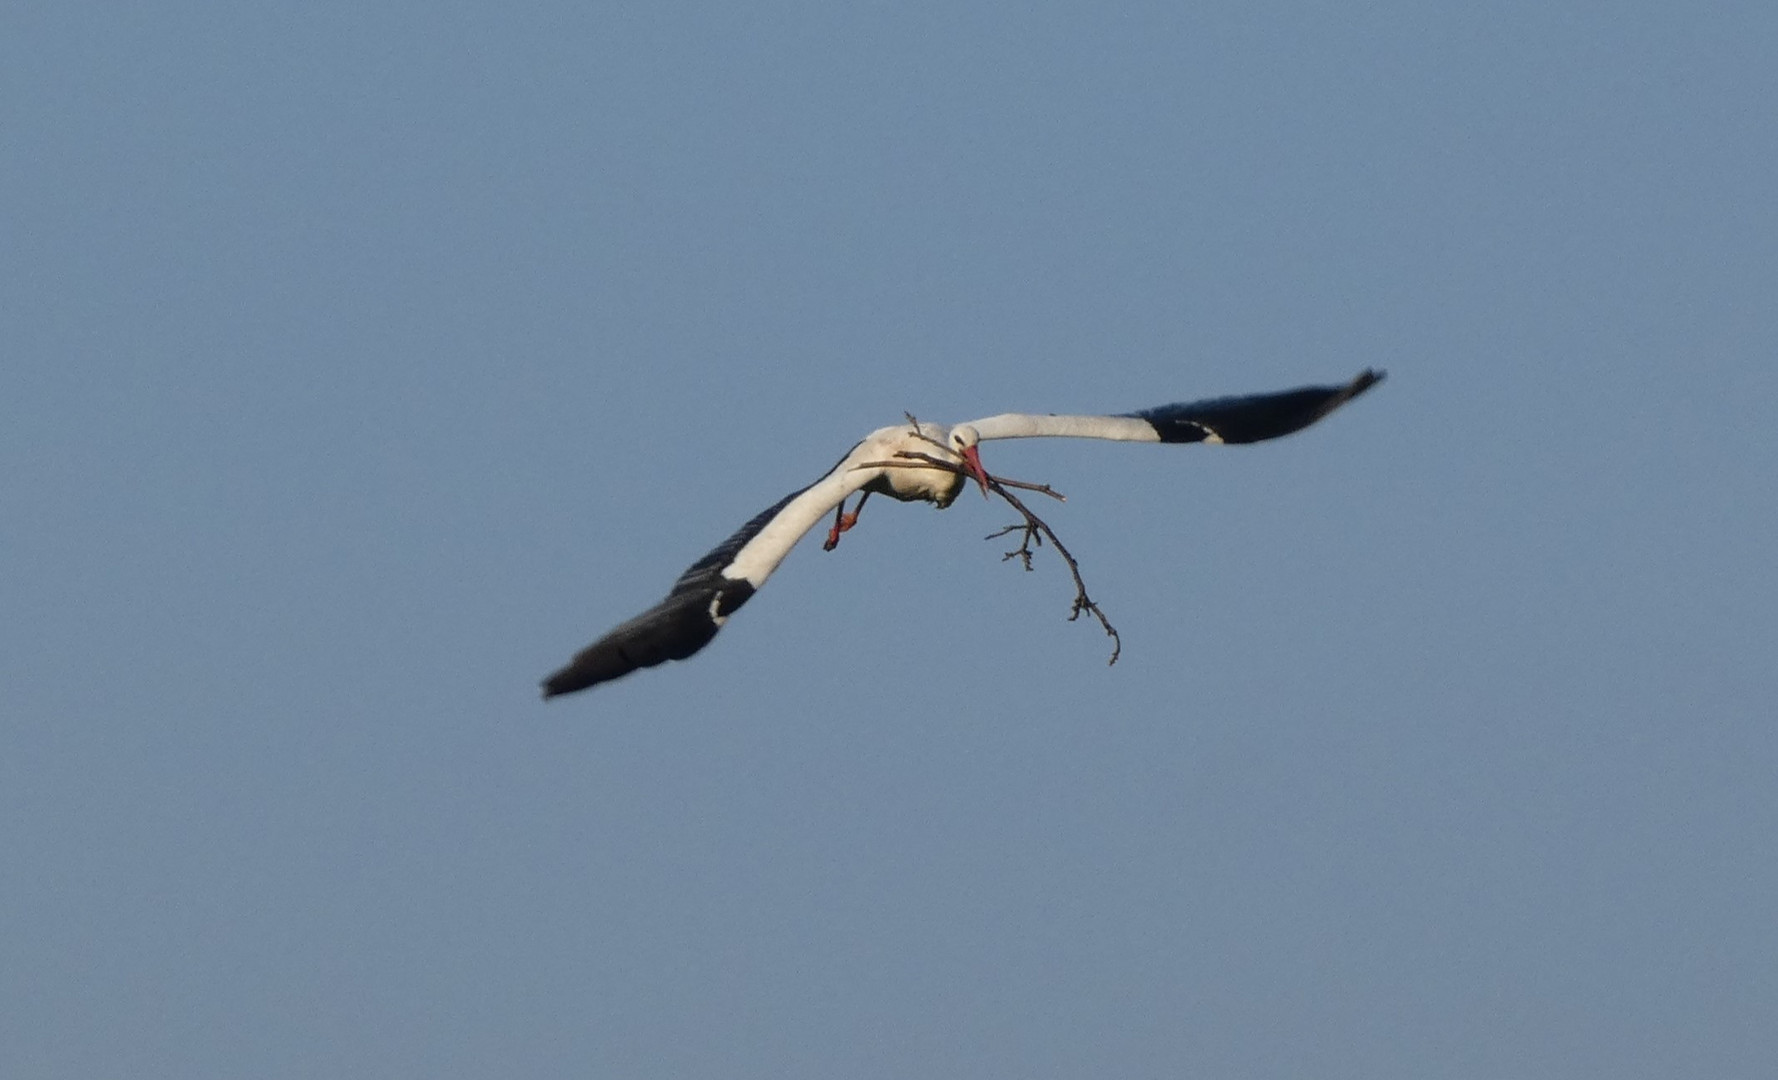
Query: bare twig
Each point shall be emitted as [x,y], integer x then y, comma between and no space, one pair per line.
[921,435]
[927,461]
[1033,529]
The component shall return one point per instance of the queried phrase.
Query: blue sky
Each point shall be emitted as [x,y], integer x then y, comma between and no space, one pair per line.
[362,363]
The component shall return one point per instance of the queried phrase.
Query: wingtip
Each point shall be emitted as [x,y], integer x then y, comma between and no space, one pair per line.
[1366,379]
[558,684]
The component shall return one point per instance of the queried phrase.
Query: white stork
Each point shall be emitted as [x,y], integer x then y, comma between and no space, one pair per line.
[888,462]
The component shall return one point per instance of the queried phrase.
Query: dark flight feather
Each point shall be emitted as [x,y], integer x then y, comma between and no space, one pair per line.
[676,627]
[1254,417]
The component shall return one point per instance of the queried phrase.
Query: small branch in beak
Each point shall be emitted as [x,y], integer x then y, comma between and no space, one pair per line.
[1032,530]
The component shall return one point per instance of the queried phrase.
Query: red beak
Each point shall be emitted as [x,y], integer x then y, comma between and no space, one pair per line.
[972,461]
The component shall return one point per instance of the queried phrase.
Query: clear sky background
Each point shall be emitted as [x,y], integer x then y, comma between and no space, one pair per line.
[361,362]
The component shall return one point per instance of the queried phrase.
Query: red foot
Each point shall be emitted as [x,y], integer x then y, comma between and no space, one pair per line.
[842,522]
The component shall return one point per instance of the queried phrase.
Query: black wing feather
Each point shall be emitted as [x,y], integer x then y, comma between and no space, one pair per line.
[676,627]
[1254,417]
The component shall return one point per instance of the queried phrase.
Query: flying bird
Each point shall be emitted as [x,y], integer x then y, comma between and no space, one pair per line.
[912,462]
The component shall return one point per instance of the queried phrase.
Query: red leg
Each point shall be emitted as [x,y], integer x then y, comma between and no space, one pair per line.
[842,522]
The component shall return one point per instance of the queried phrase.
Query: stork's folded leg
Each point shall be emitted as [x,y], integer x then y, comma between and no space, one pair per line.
[842,522]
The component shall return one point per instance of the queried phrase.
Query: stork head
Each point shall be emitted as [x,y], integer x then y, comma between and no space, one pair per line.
[963,440]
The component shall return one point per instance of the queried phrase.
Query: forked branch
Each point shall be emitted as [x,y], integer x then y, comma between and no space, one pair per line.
[1033,530]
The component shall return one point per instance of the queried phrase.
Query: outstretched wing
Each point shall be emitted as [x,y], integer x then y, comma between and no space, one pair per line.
[1246,419]
[699,603]
[712,588]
